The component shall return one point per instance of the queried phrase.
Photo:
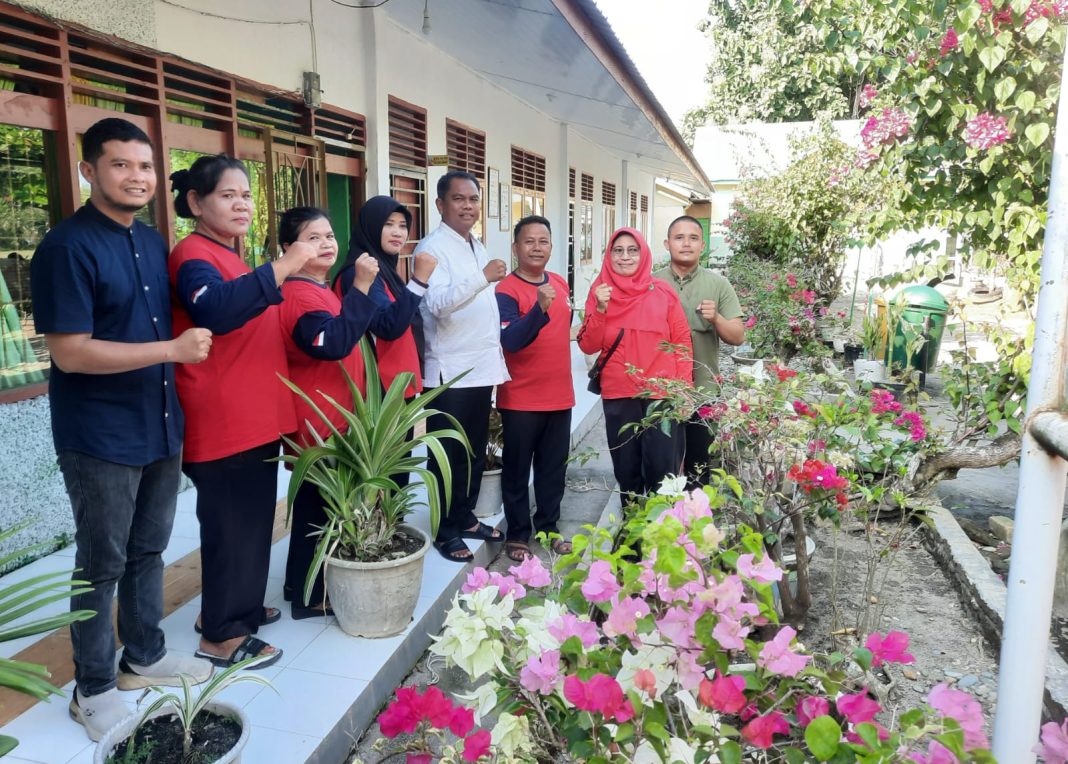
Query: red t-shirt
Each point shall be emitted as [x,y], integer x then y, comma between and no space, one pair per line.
[233,400]
[395,356]
[541,371]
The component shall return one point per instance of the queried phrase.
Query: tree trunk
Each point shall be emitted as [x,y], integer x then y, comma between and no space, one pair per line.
[1002,450]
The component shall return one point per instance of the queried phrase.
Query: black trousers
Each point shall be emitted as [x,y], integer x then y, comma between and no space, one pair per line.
[236,497]
[541,439]
[308,516]
[699,439]
[471,407]
[640,460]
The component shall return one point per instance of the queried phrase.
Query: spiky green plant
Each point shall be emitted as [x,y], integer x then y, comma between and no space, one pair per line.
[356,470]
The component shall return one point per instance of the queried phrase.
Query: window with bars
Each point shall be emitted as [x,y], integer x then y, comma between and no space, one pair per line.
[528,183]
[585,219]
[644,219]
[407,134]
[632,218]
[608,208]
[466,148]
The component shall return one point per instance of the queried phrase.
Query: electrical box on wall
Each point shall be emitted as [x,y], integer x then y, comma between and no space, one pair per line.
[313,95]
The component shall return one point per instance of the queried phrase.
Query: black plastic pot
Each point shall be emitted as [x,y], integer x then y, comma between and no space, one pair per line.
[852,353]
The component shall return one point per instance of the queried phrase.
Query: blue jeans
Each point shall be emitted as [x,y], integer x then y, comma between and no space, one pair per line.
[122,517]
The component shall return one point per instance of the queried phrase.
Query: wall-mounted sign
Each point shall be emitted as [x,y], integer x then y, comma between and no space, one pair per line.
[437,160]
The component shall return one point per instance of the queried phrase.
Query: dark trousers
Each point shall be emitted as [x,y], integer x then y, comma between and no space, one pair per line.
[122,518]
[642,458]
[308,516]
[236,497]
[471,407]
[699,439]
[541,439]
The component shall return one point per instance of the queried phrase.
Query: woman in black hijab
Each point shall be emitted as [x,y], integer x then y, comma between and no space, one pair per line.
[382,231]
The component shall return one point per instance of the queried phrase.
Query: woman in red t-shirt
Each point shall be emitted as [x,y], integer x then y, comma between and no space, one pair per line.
[235,406]
[626,303]
[318,330]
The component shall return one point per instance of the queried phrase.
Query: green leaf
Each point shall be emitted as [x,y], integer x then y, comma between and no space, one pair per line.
[730,753]
[1005,88]
[991,57]
[863,656]
[1020,6]
[1037,133]
[794,756]
[1025,100]
[1036,29]
[969,14]
[822,736]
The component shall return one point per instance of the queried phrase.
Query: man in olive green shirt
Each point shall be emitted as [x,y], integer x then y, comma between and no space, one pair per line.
[714,313]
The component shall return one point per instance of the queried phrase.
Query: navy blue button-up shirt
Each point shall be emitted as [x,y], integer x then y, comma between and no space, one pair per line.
[91,275]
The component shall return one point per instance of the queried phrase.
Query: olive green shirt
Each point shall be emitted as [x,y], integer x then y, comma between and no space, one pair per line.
[702,284]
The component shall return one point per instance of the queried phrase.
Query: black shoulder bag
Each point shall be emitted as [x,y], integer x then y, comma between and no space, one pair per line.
[594,385]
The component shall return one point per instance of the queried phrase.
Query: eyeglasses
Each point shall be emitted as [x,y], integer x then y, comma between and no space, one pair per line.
[620,251]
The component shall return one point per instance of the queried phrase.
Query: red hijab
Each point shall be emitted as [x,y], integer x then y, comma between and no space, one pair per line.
[638,301]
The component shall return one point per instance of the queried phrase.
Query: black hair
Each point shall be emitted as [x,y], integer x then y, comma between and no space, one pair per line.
[110,129]
[445,181]
[530,220]
[685,219]
[294,219]
[203,177]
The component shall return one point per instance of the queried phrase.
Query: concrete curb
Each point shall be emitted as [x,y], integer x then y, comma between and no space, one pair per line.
[985,596]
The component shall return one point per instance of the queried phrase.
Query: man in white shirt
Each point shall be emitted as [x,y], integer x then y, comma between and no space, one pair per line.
[462,328]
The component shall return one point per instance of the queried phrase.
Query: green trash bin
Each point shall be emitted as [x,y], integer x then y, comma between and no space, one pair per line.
[925,309]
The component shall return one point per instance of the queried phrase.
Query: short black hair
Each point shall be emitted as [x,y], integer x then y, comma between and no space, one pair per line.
[530,220]
[445,181]
[202,177]
[685,219]
[110,129]
[294,219]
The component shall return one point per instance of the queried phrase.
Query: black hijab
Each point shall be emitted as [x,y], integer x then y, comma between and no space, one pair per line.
[367,237]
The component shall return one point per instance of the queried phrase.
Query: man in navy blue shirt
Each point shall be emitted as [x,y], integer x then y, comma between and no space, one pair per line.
[102,300]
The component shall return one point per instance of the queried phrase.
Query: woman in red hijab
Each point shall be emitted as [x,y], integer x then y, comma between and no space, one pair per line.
[637,313]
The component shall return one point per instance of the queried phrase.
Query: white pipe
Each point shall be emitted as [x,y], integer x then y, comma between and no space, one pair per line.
[1040,496]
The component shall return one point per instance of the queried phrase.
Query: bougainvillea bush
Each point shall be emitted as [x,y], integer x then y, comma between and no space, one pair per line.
[663,646]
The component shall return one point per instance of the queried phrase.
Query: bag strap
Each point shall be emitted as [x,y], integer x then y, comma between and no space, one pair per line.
[603,358]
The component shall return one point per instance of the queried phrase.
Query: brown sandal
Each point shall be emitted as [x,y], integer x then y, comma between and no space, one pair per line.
[517,551]
[561,546]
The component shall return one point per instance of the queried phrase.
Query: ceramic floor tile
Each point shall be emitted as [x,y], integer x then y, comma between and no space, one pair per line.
[270,745]
[307,703]
[186,526]
[243,693]
[85,757]
[67,551]
[12,759]
[293,637]
[179,546]
[335,652]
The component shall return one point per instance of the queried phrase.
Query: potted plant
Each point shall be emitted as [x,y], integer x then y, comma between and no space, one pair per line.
[18,600]
[490,496]
[371,559]
[184,729]
[870,368]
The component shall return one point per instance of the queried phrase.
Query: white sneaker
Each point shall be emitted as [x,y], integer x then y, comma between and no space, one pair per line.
[166,671]
[98,713]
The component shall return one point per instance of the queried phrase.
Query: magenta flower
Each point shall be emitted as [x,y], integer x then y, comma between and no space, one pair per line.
[883,401]
[962,707]
[531,572]
[914,422]
[476,579]
[765,572]
[623,617]
[985,130]
[885,128]
[725,694]
[1053,747]
[949,42]
[760,730]
[777,657]
[600,693]
[889,649]
[462,721]
[750,322]
[600,584]
[541,674]
[477,745]
[867,95]
[791,280]
[810,707]
[858,708]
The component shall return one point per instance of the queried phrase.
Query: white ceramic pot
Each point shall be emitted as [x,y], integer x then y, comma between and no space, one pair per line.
[865,370]
[114,736]
[376,599]
[490,497]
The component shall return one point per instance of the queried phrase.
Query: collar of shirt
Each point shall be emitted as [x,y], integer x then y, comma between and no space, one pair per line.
[104,220]
[684,280]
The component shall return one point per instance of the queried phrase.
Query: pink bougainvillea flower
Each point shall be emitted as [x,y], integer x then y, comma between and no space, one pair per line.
[750,322]
[809,707]
[777,657]
[857,708]
[730,633]
[889,649]
[962,707]
[477,745]
[1053,745]
[476,579]
[435,707]
[419,758]
[623,617]
[882,401]
[507,585]
[600,693]
[936,754]
[678,625]
[645,680]
[765,572]
[531,572]
[986,130]
[867,95]
[949,43]
[399,717]
[725,694]
[760,730]
[885,128]
[600,584]
[541,674]
[462,721]
[570,625]
[791,281]
[914,422]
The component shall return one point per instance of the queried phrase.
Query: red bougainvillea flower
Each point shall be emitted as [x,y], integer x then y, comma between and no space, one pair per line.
[601,694]
[949,42]
[462,721]
[725,694]
[760,730]
[889,649]
[803,409]
[419,758]
[750,322]
[857,708]
[817,474]
[476,746]
[782,372]
[986,130]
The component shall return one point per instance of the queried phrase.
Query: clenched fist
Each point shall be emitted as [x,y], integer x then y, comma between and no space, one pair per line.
[423,266]
[495,270]
[366,272]
[603,293]
[292,260]
[707,309]
[192,345]
[546,295]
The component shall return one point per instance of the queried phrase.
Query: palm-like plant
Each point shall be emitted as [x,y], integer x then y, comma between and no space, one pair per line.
[23,598]
[355,469]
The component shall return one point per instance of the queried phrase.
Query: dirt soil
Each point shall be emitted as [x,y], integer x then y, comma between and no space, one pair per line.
[159,741]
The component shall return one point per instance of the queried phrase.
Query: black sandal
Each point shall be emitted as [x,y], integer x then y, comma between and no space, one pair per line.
[300,612]
[270,615]
[251,647]
[483,533]
[452,549]
[517,551]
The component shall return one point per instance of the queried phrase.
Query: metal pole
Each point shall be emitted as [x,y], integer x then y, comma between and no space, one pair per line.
[1040,496]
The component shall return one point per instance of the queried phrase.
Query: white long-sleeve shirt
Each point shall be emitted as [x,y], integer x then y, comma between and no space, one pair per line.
[461,323]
